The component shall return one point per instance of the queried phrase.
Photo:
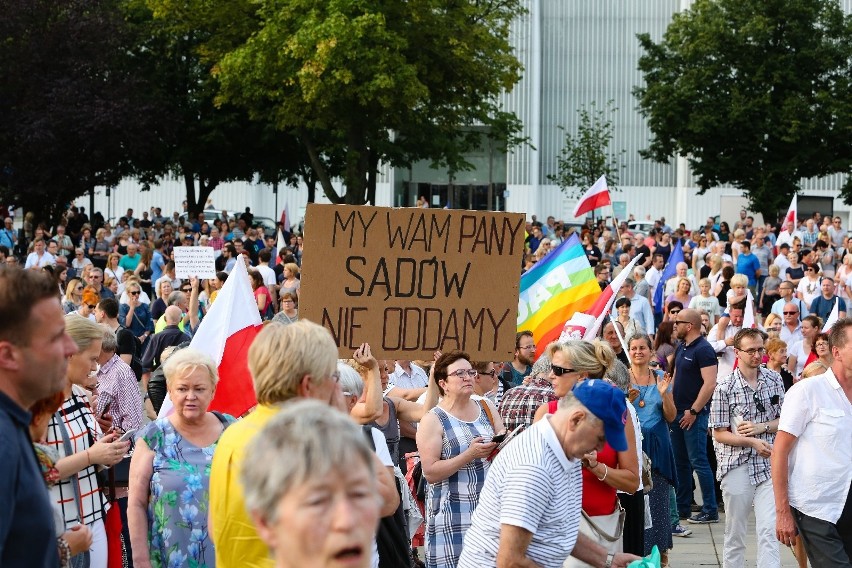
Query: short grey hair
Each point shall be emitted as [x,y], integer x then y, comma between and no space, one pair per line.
[306,439]
[571,402]
[541,368]
[175,298]
[350,380]
[186,361]
[110,343]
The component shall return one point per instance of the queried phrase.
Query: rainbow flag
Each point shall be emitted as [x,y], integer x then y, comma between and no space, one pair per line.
[557,286]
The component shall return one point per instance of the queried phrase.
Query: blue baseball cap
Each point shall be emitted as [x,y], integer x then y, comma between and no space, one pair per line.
[609,404]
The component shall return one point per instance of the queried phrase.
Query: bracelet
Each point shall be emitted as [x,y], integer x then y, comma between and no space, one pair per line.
[606,472]
[64,551]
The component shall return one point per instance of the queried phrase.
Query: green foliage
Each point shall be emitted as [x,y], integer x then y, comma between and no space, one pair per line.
[586,156]
[755,93]
[367,81]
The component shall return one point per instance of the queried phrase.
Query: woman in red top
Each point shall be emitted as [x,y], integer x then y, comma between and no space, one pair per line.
[606,471]
[261,294]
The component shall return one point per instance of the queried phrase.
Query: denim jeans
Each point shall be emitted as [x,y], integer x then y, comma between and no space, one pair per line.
[690,452]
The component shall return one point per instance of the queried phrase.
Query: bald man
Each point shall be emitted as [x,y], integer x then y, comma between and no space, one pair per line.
[170,336]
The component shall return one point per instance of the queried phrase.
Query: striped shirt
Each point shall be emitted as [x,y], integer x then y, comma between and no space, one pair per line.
[81,426]
[532,485]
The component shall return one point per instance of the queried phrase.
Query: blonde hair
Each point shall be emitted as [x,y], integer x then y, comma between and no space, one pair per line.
[187,360]
[770,319]
[70,287]
[282,355]
[293,268]
[814,369]
[739,280]
[590,357]
[774,270]
[83,331]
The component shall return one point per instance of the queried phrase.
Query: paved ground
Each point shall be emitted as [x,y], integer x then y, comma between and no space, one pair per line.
[704,547]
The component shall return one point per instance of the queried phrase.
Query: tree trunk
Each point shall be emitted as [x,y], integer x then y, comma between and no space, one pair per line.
[318,168]
[189,185]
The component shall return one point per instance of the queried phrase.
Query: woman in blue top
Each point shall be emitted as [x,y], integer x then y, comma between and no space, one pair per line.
[651,395]
[167,508]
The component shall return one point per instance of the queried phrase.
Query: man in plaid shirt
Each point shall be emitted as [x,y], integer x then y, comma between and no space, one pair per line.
[744,416]
[518,404]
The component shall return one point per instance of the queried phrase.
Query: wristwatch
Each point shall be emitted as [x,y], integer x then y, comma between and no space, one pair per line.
[693,412]
[609,558]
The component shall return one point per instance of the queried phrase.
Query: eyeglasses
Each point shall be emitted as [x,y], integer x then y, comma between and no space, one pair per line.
[492,373]
[528,347]
[752,352]
[462,373]
[559,371]
[678,322]
[790,313]
[758,404]
[821,344]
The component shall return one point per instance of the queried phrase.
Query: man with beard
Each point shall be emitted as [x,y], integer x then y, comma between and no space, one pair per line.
[515,370]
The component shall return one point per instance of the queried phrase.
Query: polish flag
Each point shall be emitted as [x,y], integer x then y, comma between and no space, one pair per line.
[226,333]
[586,325]
[597,196]
[832,317]
[791,216]
[279,246]
[284,220]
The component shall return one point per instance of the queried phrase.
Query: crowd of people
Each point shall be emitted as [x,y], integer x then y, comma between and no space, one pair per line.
[587,455]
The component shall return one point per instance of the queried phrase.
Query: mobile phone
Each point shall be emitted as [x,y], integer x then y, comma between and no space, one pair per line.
[127,435]
[498,438]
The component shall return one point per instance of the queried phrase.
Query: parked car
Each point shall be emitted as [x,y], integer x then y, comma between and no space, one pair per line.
[640,226]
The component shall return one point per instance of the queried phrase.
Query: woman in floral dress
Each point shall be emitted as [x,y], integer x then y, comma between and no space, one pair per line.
[170,470]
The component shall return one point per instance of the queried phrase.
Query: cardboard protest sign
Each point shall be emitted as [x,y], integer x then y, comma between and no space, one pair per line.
[411,281]
[194,261]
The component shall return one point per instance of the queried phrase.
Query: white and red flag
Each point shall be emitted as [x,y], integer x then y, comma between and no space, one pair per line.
[586,325]
[280,243]
[832,317]
[284,220]
[748,312]
[595,197]
[791,216]
[226,333]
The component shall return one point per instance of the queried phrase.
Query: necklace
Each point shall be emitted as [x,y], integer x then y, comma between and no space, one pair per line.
[642,391]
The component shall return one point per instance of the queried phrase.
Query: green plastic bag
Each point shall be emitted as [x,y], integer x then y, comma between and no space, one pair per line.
[650,561]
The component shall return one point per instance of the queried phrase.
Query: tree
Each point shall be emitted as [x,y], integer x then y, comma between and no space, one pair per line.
[204,142]
[370,81]
[72,107]
[755,93]
[585,157]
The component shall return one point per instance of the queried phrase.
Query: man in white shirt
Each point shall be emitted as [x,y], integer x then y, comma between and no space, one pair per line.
[791,327]
[39,258]
[653,275]
[811,472]
[529,508]
[725,346]
[788,234]
[787,289]
[781,260]
[407,375]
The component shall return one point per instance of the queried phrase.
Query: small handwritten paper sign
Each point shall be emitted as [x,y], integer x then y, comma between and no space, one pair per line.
[194,261]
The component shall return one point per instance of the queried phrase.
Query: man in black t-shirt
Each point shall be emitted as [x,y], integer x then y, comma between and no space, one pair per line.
[106,313]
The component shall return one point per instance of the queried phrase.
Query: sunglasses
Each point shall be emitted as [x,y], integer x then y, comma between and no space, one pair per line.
[134,293]
[91,306]
[559,371]
[790,313]
[674,312]
[678,322]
